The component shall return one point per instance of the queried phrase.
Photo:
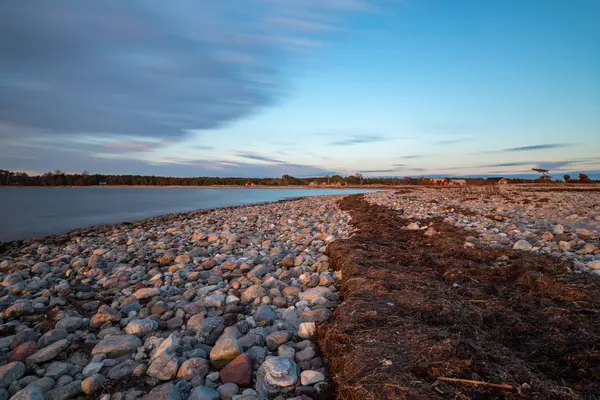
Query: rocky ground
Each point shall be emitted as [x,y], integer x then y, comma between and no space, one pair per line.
[560,221]
[198,306]
[224,304]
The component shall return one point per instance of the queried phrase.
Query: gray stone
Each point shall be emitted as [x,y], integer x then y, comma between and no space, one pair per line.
[228,390]
[277,375]
[204,393]
[169,346]
[122,370]
[276,339]
[286,352]
[306,355]
[114,346]
[167,391]
[49,352]
[57,369]
[92,384]
[141,327]
[264,316]
[73,389]
[63,380]
[216,300]
[258,355]
[10,373]
[92,368]
[311,294]
[28,393]
[43,384]
[52,336]
[164,367]
[192,368]
[71,324]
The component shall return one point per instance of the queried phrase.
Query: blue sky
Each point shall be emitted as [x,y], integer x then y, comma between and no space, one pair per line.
[269,87]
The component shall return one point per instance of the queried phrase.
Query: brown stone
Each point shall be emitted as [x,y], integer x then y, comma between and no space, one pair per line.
[195,321]
[291,291]
[22,351]
[105,314]
[174,323]
[238,371]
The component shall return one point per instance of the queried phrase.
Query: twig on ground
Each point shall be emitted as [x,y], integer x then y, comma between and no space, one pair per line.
[470,382]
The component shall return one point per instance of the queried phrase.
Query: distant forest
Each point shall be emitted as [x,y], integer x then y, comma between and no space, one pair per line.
[59,178]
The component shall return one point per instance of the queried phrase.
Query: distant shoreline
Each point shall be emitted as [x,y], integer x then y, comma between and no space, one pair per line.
[365,187]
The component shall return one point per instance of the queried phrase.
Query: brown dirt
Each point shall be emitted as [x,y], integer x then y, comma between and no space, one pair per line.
[416,309]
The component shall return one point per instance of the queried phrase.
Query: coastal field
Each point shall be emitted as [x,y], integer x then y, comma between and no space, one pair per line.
[472,292]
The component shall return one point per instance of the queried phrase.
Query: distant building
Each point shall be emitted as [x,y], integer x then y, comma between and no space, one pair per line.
[497,180]
[101,182]
[458,182]
[249,183]
[439,181]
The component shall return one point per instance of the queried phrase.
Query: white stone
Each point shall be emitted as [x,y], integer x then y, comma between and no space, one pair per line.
[594,265]
[311,377]
[306,330]
[522,245]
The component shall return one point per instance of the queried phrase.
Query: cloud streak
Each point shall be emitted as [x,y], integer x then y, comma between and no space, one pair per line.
[538,147]
[257,157]
[412,156]
[371,171]
[360,139]
[453,141]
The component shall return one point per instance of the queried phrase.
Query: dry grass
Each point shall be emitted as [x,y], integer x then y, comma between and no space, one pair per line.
[417,309]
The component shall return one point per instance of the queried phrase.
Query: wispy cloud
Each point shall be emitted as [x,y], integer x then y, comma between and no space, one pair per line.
[538,147]
[130,146]
[301,24]
[361,139]
[554,165]
[453,141]
[257,157]
[412,156]
[371,171]
[508,164]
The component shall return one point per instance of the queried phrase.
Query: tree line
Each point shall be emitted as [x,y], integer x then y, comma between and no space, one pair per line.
[59,178]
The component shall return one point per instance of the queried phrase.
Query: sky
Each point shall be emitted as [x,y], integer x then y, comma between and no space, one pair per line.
[262,88]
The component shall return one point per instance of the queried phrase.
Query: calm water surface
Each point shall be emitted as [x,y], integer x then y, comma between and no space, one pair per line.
[31,212]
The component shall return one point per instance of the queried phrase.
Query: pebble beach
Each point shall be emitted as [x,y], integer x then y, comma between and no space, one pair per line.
[225,304]
[199,306]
